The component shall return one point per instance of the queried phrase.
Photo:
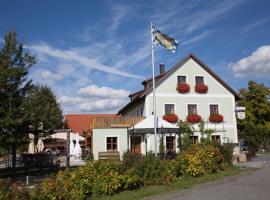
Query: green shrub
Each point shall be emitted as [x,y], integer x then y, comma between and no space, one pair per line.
[200,159]
[130,180]
[13,190]
[227,151]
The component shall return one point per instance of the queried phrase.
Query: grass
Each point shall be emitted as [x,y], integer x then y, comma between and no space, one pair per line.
[183,183]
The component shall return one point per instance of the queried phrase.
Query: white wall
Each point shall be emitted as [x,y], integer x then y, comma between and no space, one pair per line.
[99,140]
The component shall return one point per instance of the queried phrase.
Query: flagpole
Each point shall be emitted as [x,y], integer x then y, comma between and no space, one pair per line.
[154,91]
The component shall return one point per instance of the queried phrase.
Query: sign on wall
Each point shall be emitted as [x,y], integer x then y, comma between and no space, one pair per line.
[240,112]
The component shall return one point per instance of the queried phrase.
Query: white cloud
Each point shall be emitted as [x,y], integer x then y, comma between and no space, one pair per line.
[258,63]
[92,104]
[95,91]
[119,14]
[198,38]
[69,55]
[256,24]
[52,76]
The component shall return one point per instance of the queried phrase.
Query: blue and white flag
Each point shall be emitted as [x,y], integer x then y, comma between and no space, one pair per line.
[160,38]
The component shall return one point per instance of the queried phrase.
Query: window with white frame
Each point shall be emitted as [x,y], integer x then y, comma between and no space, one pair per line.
[213,109]
[111,143]
[192,109]
[216,139]
[194,139]
[181,79]
[199,80]
[169,109]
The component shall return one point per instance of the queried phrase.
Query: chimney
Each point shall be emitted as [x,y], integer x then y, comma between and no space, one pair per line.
[161,68]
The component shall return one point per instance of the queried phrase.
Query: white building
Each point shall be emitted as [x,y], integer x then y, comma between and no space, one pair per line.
[216,98]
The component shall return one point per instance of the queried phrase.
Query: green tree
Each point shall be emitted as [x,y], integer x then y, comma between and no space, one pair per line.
[44,113]
[184,139]
[254,129]
[14,87]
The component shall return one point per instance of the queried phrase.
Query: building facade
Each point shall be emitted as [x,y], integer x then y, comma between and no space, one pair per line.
[204,94]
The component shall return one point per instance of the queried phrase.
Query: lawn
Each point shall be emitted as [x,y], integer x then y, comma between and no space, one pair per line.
[182,183]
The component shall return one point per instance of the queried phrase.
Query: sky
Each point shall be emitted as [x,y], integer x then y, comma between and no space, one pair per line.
[93,54]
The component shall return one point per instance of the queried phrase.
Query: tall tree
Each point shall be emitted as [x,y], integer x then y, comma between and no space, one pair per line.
[43,111]
[254,129]
[14,87]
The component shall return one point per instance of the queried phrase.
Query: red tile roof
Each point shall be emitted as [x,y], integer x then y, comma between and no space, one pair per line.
[79,123]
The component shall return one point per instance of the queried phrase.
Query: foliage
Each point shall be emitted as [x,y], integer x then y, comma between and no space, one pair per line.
[13,190]
[184,139]
[201,88]
[216,118]
[14,87]
[183,88]
[227,151]
[44,113]
[194,118]
[205,133]
[172,118]
[255,129]
[200,159]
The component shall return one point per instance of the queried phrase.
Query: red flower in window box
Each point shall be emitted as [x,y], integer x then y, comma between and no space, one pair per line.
[183,88]
[194,118]
[172,118]
[216,118]
[201,88]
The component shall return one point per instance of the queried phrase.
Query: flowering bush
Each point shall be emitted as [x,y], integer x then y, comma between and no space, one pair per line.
[172,118]
[183,88]
[216,118]
[194,118]
[200,159]
[13,190]
[201,88]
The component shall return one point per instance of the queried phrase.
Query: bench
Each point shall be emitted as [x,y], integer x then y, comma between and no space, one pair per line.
[115,155]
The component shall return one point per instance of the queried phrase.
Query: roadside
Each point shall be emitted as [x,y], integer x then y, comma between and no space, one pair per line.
[249,186]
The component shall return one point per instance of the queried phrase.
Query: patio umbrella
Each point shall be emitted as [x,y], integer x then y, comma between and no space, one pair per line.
[71,146]
[40,145]
[31,147]
[77,149]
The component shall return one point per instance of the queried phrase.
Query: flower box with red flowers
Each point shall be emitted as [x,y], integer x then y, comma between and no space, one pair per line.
[183,88]
[194,118]
[216,118]
[172,118]
[201,88]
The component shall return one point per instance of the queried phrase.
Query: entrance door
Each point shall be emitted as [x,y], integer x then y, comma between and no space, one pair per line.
[135,142]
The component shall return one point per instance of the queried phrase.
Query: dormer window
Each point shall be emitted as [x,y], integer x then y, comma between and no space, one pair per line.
[199,80]
[181,79]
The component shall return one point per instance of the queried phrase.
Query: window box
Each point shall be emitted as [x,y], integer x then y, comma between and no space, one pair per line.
[194,118]
[172,118]
[183,88]
[216,118]
[201,88]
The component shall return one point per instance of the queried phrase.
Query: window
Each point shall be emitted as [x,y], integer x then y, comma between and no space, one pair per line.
[169,109]
[213,109]
[111,143]
[199,80]
[181,79]
[192,109]
[194,139]
[216,138]
[170,144]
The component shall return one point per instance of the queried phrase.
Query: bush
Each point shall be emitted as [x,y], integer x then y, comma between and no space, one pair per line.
[13,190]
[200,159]
[227,151]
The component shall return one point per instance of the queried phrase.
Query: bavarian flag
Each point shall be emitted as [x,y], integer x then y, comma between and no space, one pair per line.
[160,38]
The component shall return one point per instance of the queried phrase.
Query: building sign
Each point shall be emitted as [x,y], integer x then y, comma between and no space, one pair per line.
[240,112]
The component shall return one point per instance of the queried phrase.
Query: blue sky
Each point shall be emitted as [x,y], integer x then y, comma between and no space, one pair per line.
[94,53]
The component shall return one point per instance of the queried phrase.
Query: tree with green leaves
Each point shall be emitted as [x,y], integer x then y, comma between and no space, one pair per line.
[44,113]
[255,129]
[184,139]
[14,87]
